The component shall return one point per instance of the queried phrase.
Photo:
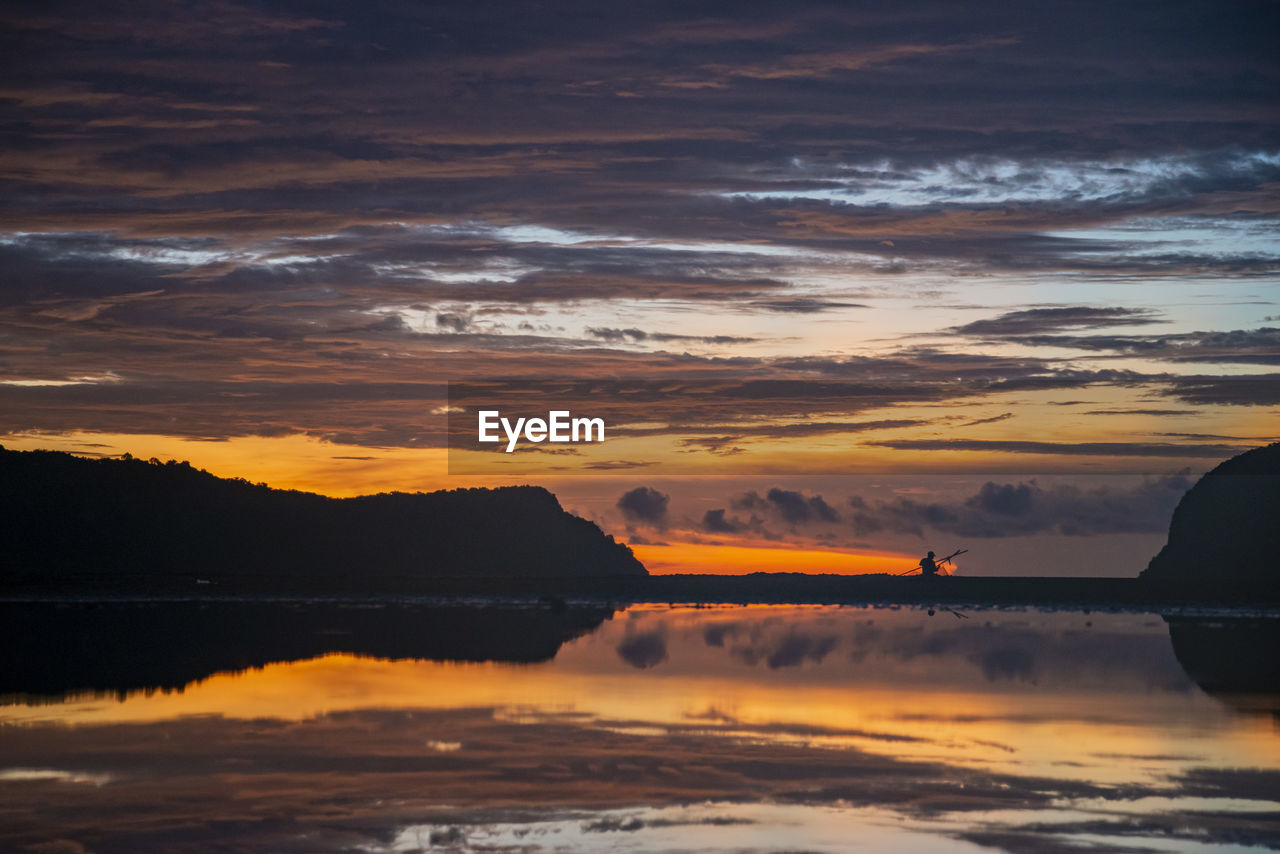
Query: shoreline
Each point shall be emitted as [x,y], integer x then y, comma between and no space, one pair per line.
[754,589]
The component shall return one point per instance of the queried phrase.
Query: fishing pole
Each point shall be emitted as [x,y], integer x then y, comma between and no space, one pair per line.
[946,559]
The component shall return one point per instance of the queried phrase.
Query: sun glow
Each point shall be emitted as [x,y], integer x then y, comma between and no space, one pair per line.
[715,559]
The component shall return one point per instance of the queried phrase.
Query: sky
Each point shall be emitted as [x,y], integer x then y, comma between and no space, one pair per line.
[908,276]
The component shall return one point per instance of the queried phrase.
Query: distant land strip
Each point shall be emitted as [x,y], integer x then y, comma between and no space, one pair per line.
[753,589]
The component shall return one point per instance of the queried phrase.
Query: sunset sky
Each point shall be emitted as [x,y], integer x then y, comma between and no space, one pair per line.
[909,276]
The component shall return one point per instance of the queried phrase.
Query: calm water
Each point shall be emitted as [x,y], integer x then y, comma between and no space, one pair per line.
[406,728]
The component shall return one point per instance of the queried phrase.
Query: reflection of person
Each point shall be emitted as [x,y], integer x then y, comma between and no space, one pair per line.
[927,567]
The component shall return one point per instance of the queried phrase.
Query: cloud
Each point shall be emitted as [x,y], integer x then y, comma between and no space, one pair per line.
[801,305]
[643,650]
[796,508]
[1258,390]
[765,514]
[1007,663]
[791,650]
[1004,416]
[454,322]
[165,221]
[790,506]
[58,846]
[1090,449]
[1037,320]
[1243,346]
[826,64]
[737,430]
[721,446]
[1025,508]
[644,505]
[637,335]
[1151,412]
[715,521]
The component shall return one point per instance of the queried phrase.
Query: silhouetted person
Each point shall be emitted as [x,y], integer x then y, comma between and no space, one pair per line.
[927,567]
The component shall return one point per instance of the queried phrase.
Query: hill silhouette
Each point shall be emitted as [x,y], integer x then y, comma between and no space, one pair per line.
[1225,530]
[66,517]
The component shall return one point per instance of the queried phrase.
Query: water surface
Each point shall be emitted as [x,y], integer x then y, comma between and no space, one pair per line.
[403,727]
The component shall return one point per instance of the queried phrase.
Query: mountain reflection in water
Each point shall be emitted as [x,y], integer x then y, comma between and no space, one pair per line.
[318,727]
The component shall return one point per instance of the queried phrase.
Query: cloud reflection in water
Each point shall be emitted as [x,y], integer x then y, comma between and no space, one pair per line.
[758,728]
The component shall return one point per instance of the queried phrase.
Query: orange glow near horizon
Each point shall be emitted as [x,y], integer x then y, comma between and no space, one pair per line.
[712,559]
[335,683]
[832,703]
[285,462]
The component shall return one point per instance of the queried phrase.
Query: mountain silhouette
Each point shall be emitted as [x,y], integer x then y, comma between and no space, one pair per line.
[1226,529]
[103,521]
